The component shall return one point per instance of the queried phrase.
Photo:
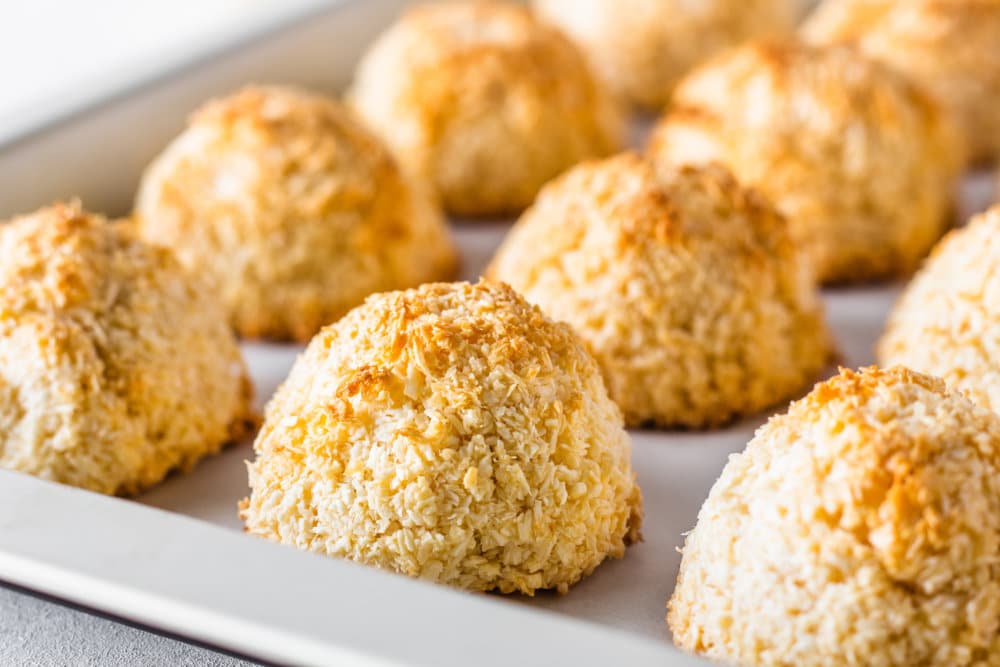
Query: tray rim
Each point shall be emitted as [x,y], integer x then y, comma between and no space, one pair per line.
[133,561]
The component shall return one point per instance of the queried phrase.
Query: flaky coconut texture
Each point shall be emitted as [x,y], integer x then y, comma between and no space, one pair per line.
[861,162]
[292,209]
[643,47]
[484,101]
[116,366]
[948,321]
[860,528]
[452,433]
[686,287]
[951,47]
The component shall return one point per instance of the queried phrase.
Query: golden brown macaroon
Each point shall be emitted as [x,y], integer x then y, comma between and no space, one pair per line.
[292,209]
[485,101]
[453,433]
[861,162]
[642,48]
[116,366]
[948,321]
[686,287]
[860,528]
[952,47]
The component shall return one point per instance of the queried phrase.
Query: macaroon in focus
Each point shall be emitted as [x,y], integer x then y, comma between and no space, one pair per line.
[861,162]
[951,47]
[860,528]
[642,48]
[686,287]
[947,322]
[453,433]
[485,102]
[116,365]
[292,209]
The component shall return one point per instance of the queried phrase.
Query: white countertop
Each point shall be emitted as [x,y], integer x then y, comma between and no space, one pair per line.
[60,55]
[39,633]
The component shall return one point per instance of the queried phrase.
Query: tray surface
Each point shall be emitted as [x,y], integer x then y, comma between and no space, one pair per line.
[675,468]
[205,579]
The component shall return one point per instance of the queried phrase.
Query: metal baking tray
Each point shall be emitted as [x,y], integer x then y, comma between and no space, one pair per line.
[175,558]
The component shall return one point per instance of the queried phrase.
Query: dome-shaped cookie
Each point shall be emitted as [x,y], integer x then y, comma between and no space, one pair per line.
[686,287]
[860,528]
[860,162]
[292,209]
[642,48]
[485,102]
[951,47]
[451,432]
[947,322]
[116,366]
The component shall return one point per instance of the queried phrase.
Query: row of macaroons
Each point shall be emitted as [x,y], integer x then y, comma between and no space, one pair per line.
[687,289]
[297,211]
[642,49]
[455,432]
[490,101]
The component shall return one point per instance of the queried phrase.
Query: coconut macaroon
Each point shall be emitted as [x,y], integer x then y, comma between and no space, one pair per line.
[292,209]
[642,48]
[862,527]
[948,46]
[686,287]
[948,321]
[453,433]
[116,366]
[485,102]
[861,162]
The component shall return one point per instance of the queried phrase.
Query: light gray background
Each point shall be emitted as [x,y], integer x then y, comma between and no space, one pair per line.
[38,633]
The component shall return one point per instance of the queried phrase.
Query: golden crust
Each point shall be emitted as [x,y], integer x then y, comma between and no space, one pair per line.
[685,286]
[861,162]
[948,320]
[948,46]
[453,433]
[115,365]
[862,527]
[293,210]
[484,101]
[642,48]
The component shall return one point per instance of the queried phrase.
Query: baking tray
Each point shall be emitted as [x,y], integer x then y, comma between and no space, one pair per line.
[176,559]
